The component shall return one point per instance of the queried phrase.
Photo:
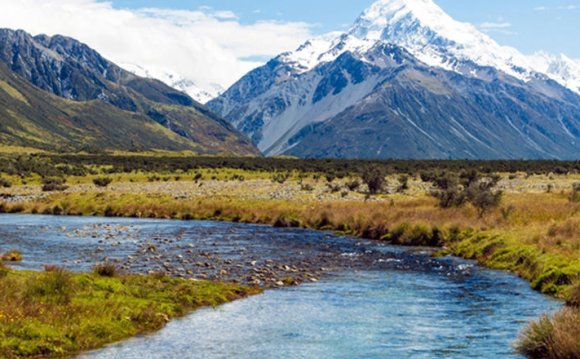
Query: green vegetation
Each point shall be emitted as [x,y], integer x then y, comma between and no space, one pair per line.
[102,181]
[5,183]
[53,184]
[52,165]
[519,216]
[575,195]
[56,313]
[468,187]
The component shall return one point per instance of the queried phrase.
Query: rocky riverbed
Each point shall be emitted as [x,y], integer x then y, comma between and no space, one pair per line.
[247,254]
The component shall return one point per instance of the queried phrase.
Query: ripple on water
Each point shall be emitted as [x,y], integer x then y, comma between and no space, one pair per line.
[382,302]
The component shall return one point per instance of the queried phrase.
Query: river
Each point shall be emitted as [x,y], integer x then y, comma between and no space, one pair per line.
[370,301]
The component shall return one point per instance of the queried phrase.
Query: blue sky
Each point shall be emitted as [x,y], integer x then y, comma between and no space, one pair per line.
[529,25]
[215,42]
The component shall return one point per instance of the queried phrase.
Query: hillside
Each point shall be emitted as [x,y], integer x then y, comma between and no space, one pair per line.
[58,94]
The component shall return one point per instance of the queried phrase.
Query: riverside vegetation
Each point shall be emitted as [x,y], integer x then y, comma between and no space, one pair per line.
[520,216]
[56,312]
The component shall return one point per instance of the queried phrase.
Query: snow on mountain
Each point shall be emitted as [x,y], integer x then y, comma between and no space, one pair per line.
[423,29]
[560,68]
[176,81]
[431,35]
[403,60]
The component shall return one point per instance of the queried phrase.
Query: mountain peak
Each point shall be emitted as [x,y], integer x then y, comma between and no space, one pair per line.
[414,22]
[385,13]
[435,38]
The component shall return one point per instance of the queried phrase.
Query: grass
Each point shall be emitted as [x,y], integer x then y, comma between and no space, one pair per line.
[555,337]
[56,313]
[11,256]
[534,233]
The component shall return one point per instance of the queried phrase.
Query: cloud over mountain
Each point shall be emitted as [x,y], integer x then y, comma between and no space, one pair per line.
[207,45]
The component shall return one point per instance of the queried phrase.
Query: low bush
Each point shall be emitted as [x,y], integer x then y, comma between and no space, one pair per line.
[375,179]
[5,183]
[106,270]
[102,181]
[55,285]
[54,184]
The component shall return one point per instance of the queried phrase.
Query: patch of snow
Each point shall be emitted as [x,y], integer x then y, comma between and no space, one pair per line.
[176,81]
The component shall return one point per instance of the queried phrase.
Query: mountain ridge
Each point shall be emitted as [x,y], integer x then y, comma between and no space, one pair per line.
[68,69]
[278,101]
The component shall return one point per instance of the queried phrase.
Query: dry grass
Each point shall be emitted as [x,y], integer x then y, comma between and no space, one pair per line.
[554,338]
[533,233]
[11,256]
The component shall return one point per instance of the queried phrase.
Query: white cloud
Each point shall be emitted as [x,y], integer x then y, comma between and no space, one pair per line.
[562,7]
[495,25]
[206,45]
[500,26]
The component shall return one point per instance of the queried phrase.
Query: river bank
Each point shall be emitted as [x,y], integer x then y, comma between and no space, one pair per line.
[56,313]
[535,233]
[375,299]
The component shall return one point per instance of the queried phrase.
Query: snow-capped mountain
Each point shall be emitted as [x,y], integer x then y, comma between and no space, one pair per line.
[423,29]
[560,68]
[176,81]
[405,66]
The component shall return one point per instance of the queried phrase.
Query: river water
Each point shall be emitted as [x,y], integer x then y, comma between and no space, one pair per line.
[372,301]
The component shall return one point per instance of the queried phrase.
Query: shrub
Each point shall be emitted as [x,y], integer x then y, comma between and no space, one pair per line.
[53,184]
[106,270]
[306,187]
[353,185]
[403,184]
[481,195]
[450,197]
[468,187]
[280,177]
[102,182]
[375,179]
[333,188]
[12,256]
[5,183]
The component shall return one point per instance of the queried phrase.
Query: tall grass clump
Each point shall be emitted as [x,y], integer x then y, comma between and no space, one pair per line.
[575,195]
[555,338]
[11,256]
[106,270]
[54,284]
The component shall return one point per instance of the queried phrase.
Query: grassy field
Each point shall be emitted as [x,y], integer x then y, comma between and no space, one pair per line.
[534,231]
[56,313]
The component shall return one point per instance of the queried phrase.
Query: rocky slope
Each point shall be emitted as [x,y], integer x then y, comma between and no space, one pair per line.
[405,81]
[82,100]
